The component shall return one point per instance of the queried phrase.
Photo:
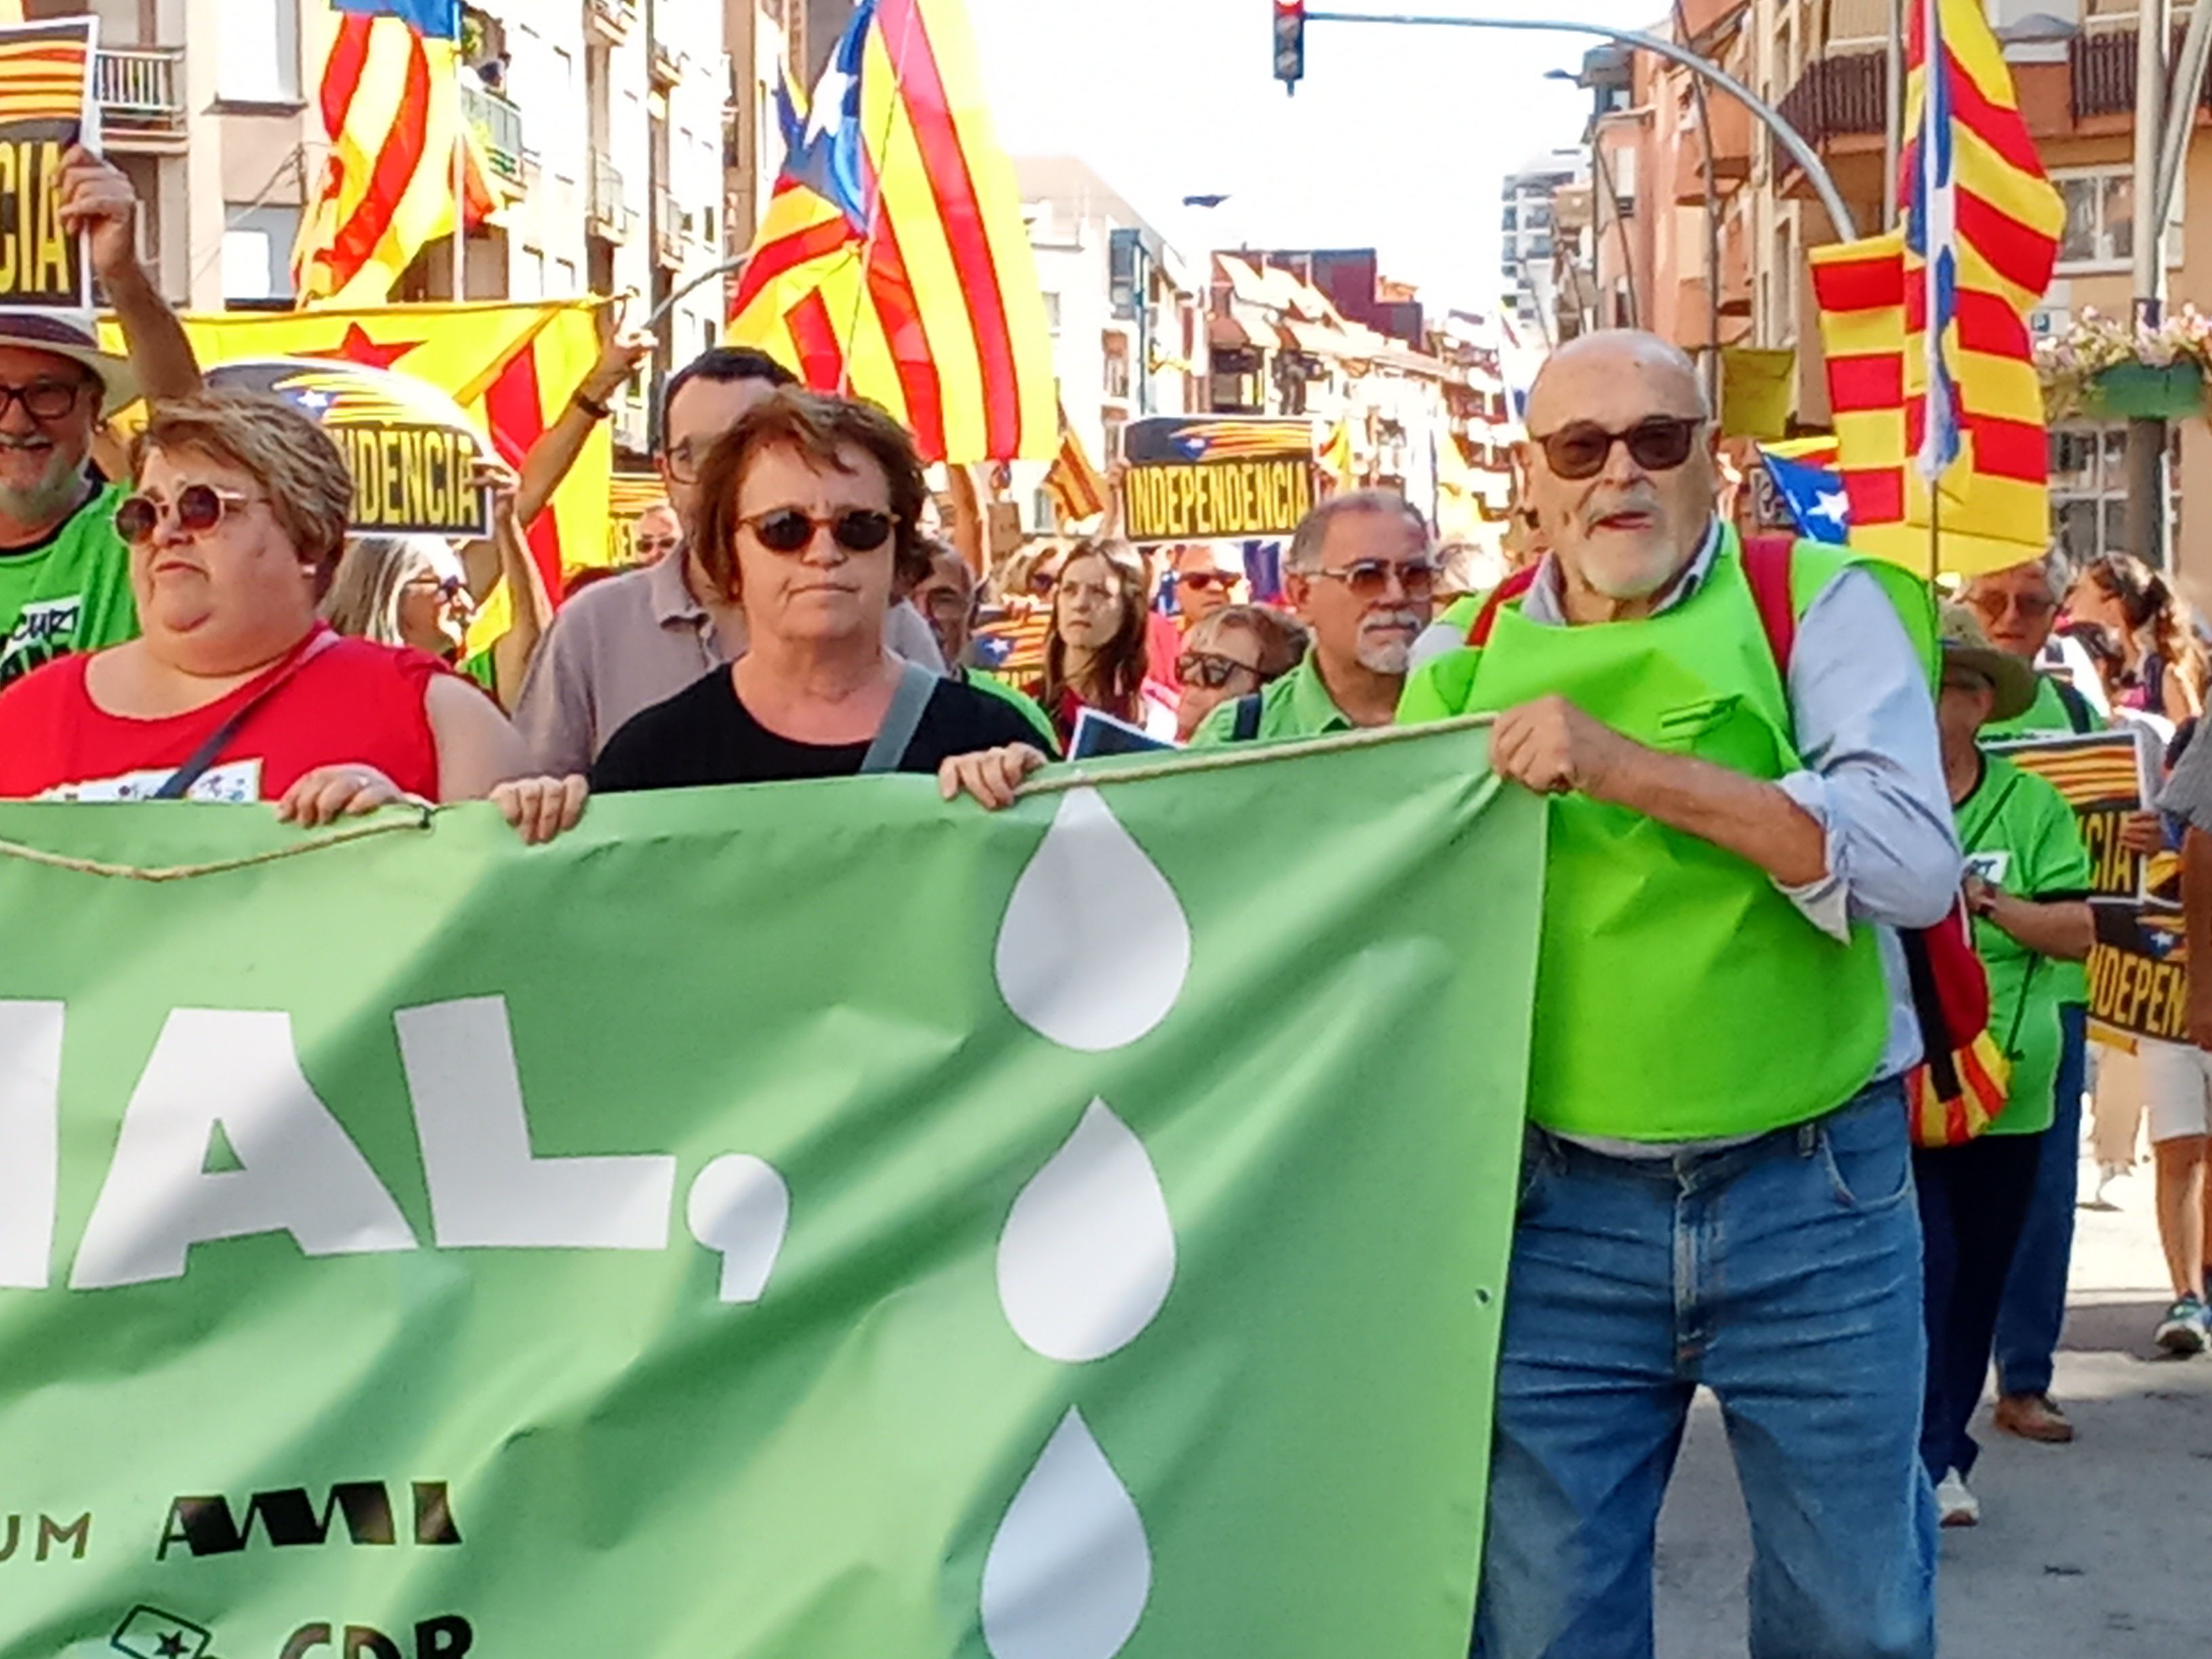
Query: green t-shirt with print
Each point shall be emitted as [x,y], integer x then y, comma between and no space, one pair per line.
[2019,834]
[69,592]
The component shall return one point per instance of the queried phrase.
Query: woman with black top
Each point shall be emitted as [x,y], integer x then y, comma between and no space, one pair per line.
[810,509]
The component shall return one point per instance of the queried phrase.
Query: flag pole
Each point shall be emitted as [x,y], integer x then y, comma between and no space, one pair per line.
[460,170]
[1893,153]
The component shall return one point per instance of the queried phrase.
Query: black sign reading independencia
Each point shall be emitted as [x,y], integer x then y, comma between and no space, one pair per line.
[1192,477]
[44,72]
[412,449]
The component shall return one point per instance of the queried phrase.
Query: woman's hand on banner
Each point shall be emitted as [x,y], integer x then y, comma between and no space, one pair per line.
[542,808]
[331,792]
[991,775]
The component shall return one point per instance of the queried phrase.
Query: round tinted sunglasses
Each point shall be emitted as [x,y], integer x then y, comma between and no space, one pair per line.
[199,508]
[788,530]
[1580,449]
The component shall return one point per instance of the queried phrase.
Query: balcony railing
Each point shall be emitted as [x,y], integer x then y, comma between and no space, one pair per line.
[610,210]
[140,89]
[1839,97]
[2104,72]
[670,225]
[498,127]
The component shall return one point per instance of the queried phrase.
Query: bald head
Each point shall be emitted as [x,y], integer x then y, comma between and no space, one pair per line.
[1620,470]
[1612,355]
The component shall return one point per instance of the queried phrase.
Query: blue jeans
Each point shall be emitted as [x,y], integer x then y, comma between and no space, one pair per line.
[1785,1275]
[2034,1305]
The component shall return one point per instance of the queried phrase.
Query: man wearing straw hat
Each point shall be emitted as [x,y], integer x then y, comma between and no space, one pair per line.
[64,574]
[1748,799]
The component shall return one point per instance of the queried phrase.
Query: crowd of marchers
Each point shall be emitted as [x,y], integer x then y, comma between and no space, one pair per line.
[1768,779]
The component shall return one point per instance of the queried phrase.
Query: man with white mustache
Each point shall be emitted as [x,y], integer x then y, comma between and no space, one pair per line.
[1361,573]
[1747,799]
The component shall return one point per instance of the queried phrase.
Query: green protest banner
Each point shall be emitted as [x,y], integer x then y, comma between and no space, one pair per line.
[811,1220]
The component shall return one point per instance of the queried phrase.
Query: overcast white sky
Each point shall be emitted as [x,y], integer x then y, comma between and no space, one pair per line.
[1397,139]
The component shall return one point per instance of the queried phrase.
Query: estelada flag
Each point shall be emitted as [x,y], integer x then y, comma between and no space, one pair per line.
[510,365]
[1973,520]
[46,107]
[893,262]
[1077,491]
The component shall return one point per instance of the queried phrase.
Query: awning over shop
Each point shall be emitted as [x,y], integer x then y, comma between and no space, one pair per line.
[1243,324]
[1243,281]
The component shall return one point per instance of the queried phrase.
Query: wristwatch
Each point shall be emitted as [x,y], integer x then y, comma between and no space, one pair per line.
[591,405]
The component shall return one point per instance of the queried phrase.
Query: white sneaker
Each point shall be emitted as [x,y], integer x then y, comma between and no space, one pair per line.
[1955,1505]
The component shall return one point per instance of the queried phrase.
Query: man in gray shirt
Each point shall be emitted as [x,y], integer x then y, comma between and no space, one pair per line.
[623,645]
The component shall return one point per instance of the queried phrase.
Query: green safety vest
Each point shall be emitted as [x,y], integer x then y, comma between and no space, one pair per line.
[1679,995]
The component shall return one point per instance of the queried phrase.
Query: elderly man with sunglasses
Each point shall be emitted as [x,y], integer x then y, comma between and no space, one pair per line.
[1748,799]
[64,573]
[1361,573]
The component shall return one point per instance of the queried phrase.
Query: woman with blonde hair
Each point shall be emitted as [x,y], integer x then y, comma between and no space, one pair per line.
[1232,654]
[236,690]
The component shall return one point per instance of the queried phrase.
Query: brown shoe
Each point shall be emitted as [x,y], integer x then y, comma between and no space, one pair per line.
[2033,1417]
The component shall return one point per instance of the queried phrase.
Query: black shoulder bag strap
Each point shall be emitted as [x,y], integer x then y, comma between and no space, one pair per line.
[179,782]
[901,721]
[1247,718]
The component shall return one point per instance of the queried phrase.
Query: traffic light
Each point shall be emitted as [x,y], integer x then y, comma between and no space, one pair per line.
[1291,43]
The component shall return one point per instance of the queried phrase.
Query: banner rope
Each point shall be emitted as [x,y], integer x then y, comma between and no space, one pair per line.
[421,815]
[419,818]
[1184,762]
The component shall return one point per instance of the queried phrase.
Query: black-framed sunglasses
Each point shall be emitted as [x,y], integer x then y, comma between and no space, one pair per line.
[1207,581]
[1658,443]
[1369,579]
[1206,669]
[788,529]
[199,508]
[43,400]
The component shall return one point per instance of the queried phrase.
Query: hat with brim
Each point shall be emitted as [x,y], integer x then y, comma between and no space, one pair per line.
[75,336]
[1965,645]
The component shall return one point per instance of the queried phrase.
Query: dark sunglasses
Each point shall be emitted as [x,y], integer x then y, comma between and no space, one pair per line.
[42,400]
[1205,581]
[1369,579]
[199,508]
[1659,443]
[788,530]
[1205,669]
[448,588]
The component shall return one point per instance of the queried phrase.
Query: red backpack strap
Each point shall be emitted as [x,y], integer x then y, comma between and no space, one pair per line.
[1766,566]
[1503,594]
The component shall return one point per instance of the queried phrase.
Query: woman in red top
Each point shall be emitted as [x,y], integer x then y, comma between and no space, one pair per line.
[235,691]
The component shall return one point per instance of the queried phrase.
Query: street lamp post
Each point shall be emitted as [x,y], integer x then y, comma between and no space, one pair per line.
[1792,142]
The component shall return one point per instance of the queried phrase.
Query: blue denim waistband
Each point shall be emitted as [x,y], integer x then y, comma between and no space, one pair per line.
[1692,1171]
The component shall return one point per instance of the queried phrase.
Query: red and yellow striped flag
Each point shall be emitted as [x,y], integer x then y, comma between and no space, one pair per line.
[1077,491]
[893,262]
[1977,254]
[390,103]
[45,73]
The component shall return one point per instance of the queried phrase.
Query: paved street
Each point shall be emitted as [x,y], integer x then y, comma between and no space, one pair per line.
[2098,1548]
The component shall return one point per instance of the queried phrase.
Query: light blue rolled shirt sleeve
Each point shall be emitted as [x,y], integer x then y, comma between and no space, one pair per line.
[1873,779]
[1873,766]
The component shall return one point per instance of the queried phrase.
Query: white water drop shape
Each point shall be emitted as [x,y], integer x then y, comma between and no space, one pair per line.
[1094,947]
[1070,1569]
[740,1206]
[1089,1251]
